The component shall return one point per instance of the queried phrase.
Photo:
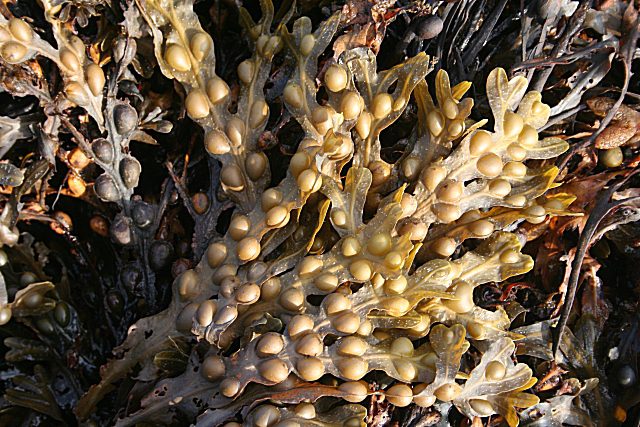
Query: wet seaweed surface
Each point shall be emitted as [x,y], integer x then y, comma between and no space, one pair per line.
[319,213]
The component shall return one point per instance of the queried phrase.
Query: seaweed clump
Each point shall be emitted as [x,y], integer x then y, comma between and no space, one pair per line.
[379,284]
[350,276]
